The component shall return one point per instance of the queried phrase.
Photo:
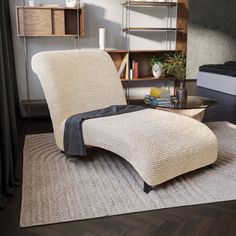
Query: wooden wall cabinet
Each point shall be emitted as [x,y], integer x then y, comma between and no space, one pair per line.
[46,21]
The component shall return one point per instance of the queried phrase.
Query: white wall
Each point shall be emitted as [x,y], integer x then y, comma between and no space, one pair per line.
[98,13]
[208,46]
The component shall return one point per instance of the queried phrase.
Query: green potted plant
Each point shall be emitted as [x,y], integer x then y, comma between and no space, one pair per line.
[175,65]
[156,64]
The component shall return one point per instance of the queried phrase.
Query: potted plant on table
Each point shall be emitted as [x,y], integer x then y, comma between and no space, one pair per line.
[156,64]
[175,65]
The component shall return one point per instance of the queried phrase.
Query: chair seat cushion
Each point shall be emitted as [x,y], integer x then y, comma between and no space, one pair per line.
[159,145]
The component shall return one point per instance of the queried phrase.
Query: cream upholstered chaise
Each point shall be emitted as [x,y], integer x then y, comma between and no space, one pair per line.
[159,145]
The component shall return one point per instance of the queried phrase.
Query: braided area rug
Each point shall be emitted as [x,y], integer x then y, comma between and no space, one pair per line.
[56,189]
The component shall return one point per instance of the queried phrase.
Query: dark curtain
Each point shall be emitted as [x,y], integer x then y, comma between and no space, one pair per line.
[8,105]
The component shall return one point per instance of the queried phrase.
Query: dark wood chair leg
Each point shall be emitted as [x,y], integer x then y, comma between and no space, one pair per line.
[147,188]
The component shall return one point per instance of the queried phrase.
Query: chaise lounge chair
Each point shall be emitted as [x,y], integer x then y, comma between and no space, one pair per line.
[159,145]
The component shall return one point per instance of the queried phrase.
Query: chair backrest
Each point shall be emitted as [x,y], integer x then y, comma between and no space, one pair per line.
[76,81]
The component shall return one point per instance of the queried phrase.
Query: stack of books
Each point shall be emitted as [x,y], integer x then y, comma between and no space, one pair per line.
[154,101]
[157,97]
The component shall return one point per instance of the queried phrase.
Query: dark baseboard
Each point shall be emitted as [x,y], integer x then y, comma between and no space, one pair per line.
[34,109]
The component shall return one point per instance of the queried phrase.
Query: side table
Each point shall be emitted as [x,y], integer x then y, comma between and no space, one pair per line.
[194,107]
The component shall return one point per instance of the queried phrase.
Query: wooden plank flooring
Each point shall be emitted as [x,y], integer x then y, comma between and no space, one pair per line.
[209,219]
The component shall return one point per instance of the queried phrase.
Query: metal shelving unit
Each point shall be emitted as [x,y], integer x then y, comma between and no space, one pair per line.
[127,29]
[148,4]
[136,29]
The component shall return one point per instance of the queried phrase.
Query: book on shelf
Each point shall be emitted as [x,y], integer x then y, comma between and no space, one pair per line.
[135,70]
[124,68]
[131,74]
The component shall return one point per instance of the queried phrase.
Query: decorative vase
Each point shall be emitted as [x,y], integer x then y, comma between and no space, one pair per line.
[31,3]
[102,38]
[182,94]
[157,70]
[71,3]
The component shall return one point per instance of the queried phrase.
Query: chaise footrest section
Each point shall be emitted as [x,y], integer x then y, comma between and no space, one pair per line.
[159,145]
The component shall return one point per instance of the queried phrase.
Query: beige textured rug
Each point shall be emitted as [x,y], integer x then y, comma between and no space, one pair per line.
[59,190]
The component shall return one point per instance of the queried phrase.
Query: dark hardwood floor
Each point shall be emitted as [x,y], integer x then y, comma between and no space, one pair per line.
[208,219]
[226,108]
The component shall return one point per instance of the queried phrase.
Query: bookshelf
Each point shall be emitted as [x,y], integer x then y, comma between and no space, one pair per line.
[143,56]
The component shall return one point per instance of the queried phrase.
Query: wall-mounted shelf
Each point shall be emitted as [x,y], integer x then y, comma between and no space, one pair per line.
[181,6]
[148,4]
[152,51]
[140,29]
[139,51]
[164,78]
[47,21]
[143,58]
